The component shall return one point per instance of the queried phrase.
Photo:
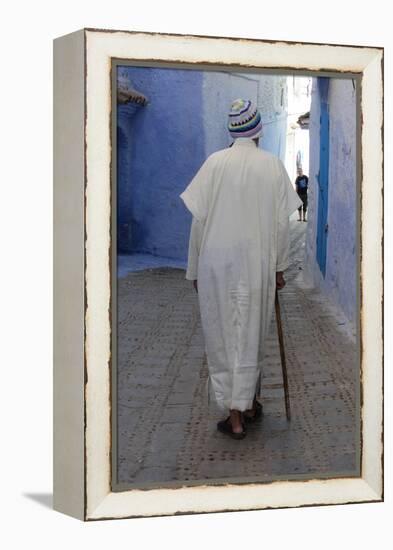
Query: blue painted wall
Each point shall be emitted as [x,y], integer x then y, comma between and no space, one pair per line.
[274,136]
[125,120]
[341,276]
[166,148]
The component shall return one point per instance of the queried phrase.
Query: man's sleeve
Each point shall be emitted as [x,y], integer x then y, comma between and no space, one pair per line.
[288,202]
[196,195]
[194,247]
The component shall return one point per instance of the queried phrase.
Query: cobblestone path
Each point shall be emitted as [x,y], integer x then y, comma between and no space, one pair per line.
[167,432]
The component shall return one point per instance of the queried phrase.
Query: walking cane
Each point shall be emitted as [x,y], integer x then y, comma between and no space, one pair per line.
[283,361]
[282,354]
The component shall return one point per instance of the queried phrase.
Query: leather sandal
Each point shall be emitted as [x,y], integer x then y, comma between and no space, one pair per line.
[256,416]
[225,427]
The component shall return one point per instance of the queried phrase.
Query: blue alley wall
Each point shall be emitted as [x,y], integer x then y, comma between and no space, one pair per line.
[274,137]
[160,149]
[340,280]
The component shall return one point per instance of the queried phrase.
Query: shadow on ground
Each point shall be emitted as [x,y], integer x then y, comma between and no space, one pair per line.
[45,499]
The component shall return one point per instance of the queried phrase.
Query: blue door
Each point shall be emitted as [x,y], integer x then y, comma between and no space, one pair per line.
[323,185]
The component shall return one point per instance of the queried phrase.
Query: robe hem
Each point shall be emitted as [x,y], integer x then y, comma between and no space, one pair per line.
[241,406]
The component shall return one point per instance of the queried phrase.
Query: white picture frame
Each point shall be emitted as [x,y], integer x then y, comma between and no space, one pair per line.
[82,258]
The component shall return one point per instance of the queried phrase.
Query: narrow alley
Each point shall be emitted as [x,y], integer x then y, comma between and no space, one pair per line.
[166,429]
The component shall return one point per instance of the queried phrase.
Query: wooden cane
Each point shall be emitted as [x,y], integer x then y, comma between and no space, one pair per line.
[258,386]
[282,354]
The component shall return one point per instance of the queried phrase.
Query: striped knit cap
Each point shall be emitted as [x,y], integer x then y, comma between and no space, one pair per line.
[244,119]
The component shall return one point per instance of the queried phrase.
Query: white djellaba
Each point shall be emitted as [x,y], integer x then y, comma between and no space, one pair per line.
[240,200]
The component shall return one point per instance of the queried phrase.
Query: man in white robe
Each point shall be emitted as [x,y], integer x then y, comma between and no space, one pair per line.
[240,199]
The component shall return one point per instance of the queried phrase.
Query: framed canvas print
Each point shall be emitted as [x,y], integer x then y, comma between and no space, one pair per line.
[218,274]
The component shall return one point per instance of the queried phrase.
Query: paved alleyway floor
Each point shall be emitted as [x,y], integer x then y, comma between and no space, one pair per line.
[166,429]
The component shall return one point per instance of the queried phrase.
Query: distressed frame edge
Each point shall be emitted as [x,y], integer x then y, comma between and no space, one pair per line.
[69,490]
[357,492]
[372,272]
[374,495]
[233,38]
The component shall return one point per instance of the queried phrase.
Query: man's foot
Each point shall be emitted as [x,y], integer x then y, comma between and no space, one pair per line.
[225,427]
[254,414]
[300,219]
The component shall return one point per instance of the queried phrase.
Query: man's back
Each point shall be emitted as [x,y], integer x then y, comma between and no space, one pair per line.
[244,190]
